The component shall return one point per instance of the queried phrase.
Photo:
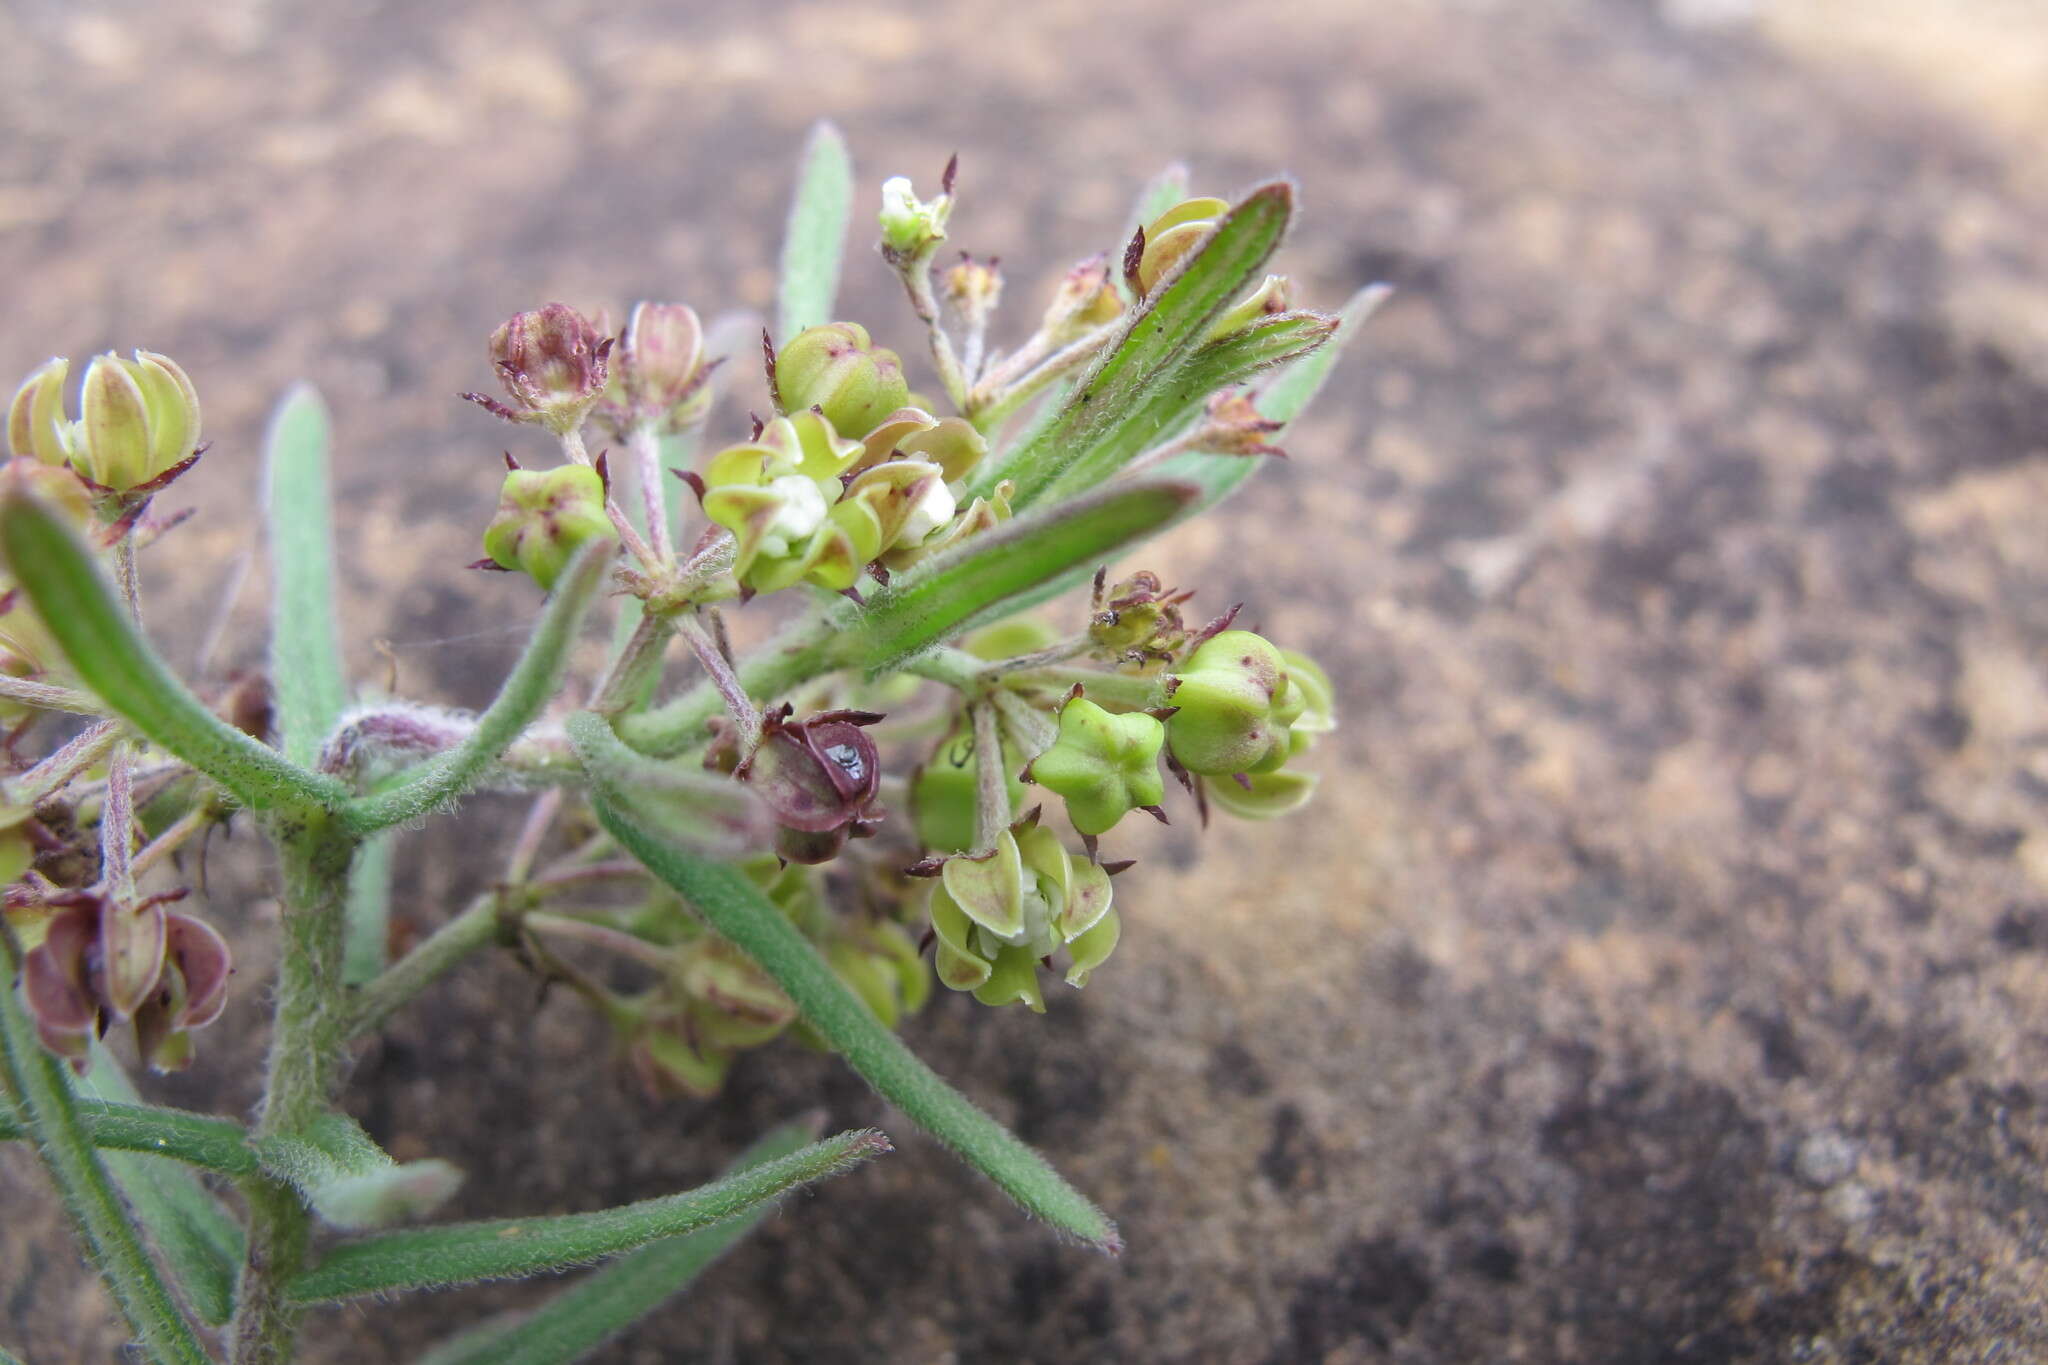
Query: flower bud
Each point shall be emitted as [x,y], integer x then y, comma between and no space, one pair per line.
[1137,619]
[36,425]
[971,290]
[1084,301]
[1233,425]
[733,1002]
[1104,765]
[138,419]
[554,363]
[911,227]
[1173,235]
[657,371]
[1270,297]
[835,368]
[1225,693]
[544,517]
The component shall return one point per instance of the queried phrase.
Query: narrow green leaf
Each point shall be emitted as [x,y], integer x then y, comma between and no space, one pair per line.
[1283,400]
[737,910]
[8,1357]
[48,1113]
[815,238]
[196,1139]
[63,583]
[577,1320]
[506,1248]
[996,573]
[366,940]
[349,1180]
[1171,323]
[527,690]
[305,651]
[1166,409]
[199,1245]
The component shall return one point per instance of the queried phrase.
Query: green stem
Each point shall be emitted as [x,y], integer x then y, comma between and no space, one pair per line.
[305,1049]
[629,677]
[472,930]
[531,685]
[806,648]
[1103,687]
[49,1116]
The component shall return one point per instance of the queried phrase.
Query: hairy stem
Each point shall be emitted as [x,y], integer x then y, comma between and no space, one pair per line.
[475,928]
[305,1049]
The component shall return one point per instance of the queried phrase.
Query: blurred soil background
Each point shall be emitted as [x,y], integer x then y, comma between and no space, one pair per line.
[1662,974]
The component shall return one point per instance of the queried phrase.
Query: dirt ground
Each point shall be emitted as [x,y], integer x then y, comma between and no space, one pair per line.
[1662,974]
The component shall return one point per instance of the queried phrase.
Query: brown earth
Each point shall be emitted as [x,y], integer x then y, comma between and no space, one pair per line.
[1663,971]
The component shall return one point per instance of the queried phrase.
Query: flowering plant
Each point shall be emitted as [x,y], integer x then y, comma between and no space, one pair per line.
[796,842]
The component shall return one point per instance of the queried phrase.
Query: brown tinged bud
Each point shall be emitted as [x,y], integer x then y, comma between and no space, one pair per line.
[971,290]
[554,363]
[1233,425]
[658,372]
[1084,302]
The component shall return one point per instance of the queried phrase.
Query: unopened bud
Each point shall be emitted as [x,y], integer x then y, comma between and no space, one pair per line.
[972,289]
[544,517]
[657,371]
[1084,301]
[554,363]
[1225,694]
[138,419]
[837,369]
[911,226]
[1172,236]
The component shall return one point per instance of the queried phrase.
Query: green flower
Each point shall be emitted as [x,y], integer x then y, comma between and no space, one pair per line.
[997,917]
[1225,694]
[835,368]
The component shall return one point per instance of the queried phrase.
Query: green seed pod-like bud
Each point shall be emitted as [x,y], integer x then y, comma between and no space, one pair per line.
[837,369]
[1104,765]
[544,517]
[1225,695]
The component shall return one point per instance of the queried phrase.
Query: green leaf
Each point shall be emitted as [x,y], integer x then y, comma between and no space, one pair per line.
[577,1320]
[815,238]
[198,1242]
[48,1113]
[1096,431]
[736,909]
[506,1248]
[305,652]
[527,690]
[1283,400]
[349,1180]
[197,1139]
[63,583]
[1003,570]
